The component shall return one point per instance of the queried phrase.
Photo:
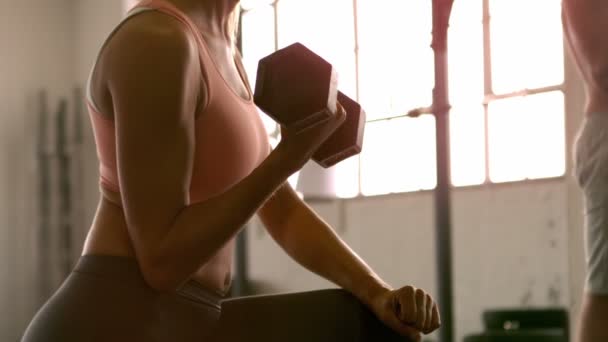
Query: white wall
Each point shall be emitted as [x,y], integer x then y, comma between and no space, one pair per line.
[35,53]
[43,45]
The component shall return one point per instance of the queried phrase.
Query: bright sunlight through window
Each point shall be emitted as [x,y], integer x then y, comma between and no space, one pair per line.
[507,118]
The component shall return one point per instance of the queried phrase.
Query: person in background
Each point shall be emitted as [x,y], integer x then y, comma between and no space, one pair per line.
[585,25]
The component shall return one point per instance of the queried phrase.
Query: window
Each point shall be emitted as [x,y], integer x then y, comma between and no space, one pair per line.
[398,153]
[525,104]
[506,76]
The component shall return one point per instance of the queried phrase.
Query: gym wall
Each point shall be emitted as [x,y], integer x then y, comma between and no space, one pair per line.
[45,45]
[36,52]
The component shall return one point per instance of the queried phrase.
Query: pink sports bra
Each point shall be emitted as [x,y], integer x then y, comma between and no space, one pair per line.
[230,138]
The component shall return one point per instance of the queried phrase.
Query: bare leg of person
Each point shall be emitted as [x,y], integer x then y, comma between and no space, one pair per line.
[593,325]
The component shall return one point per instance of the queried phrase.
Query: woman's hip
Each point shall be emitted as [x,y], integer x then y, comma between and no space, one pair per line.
[106,298]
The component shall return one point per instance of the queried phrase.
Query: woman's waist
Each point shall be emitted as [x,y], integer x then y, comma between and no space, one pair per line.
[108,236]
[125,270]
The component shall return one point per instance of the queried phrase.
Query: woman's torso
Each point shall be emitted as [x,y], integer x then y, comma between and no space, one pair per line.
[230,143]
[583,30]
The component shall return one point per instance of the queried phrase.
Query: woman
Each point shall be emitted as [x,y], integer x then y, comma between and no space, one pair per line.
[185,163]
[585,23]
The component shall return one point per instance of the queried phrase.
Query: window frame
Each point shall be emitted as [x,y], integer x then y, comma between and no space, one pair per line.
[490,96]
[487,98]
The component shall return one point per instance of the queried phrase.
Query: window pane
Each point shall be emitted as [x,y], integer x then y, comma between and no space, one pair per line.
[467,127]
[467,145]
[466,75]
[258,38]
[526,137]
[258,42]
[399,155]
[396,61]
[325,27]
[527,46]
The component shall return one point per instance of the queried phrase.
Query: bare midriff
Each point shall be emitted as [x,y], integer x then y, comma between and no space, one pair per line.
[109,235]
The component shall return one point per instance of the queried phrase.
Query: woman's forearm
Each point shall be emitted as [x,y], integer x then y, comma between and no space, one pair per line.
[312,243]
[200,230]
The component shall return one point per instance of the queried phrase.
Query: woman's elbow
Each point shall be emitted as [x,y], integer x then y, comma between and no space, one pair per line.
[158,275]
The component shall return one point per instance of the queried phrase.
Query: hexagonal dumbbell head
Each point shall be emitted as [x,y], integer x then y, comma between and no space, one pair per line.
[347,140]
[296,87]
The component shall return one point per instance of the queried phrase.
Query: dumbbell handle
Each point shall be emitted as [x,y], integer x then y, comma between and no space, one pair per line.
[347,140]
[298,89]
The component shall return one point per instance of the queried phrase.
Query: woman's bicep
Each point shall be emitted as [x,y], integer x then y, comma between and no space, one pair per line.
[154,97]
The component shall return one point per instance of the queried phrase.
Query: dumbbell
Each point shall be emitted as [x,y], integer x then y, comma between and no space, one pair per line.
[297,88]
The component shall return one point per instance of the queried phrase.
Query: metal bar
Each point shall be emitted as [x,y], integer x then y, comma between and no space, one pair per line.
[275,6]
[356,27]
[44,198]
[357,81]
[487,48]
[65,200]
[523,92]
[487,82]
[441,106]
[487,99]
[77,171]
[414,113]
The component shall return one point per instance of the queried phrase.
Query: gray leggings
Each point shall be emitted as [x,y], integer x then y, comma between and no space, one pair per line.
[105,298]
